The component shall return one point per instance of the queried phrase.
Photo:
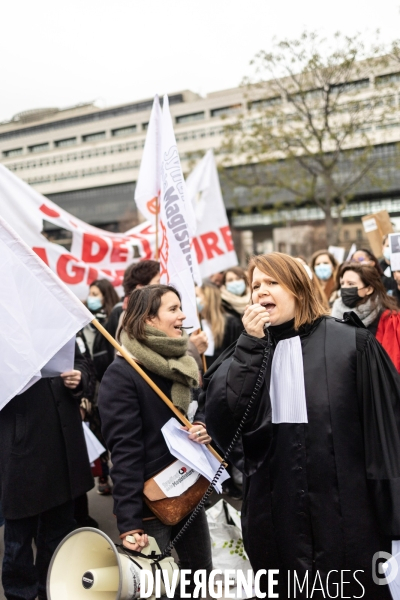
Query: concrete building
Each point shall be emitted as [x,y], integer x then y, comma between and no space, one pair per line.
[86,159]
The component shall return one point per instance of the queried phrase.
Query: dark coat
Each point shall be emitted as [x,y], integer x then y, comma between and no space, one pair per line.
[326,494]
[132,416]
[43,455]
[233,328]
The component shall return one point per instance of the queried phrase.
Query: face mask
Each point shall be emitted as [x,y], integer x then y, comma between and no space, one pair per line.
[200,305]
[350,296]
[323,271]
[94,302]
[236,287]
[386,253]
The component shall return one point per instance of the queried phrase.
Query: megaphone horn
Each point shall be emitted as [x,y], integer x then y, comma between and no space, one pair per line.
[88,565]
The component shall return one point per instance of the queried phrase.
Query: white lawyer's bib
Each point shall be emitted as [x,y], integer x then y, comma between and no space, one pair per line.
[287,392]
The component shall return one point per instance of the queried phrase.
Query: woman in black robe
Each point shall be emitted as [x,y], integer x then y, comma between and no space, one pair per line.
[321,443]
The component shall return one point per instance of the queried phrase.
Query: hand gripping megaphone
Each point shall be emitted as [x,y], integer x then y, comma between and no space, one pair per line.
[88,566]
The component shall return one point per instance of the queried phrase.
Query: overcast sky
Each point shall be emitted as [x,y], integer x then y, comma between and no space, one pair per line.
[63,52]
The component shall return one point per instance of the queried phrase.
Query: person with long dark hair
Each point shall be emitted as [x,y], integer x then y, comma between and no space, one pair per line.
[321,441]
[362,291]
[132,416]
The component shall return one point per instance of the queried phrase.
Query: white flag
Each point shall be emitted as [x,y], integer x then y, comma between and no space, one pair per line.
[39,315]
[213,240]
[148,186]
[178,263]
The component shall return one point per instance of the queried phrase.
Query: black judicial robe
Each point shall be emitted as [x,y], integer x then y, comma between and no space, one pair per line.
[322,495]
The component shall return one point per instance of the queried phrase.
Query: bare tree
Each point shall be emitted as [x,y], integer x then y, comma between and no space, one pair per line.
[313,114]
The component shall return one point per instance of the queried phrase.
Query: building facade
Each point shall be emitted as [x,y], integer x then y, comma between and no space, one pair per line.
[86,159]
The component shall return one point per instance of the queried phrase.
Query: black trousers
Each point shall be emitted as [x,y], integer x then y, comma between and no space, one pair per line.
[24,578]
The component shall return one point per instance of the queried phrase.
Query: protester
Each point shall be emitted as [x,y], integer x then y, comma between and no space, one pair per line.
[133,414]
[315,284]
[44,466]
[388,278]
[325,267]
[367,258]
[321,444]
[222,329]
[101,300]
[235,292]
[362,291]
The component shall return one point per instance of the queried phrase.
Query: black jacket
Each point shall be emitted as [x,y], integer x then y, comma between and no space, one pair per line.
[132,416]
[43,455]
[233,329]
[325,494]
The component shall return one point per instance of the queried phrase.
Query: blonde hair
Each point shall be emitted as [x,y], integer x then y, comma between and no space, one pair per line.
[213,311]
[291,275]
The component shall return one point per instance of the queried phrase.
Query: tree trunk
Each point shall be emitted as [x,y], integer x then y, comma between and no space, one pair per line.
[331,232]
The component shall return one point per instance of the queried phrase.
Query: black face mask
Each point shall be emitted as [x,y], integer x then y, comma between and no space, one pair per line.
[350,296]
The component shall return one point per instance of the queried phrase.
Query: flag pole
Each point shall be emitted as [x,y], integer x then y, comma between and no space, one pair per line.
[148,380]
[157,209]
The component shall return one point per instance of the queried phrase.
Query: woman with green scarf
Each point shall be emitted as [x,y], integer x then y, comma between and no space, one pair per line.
[132,416]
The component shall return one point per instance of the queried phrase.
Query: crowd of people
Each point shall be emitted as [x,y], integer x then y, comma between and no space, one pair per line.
[311,450]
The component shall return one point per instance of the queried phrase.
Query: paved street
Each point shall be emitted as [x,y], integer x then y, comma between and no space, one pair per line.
[100,508]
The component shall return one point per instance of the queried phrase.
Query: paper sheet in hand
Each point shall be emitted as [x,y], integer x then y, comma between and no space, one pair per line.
[94,448]
[394,244]
[196,456]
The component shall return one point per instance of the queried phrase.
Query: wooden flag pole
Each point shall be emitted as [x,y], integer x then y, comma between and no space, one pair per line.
[151,383]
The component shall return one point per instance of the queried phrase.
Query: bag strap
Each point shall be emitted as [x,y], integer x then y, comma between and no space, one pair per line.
[210,489]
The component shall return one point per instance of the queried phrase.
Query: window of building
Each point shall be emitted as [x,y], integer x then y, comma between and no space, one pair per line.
[39,148]
[225,110]
[359,235]
[93,137]
[64,143]
[351,86]
[13,152]
[198,116]
[383,80]
[123,131]
[145,126]
[264,103]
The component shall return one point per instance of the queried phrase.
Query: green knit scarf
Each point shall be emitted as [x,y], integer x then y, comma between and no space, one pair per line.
[167,357]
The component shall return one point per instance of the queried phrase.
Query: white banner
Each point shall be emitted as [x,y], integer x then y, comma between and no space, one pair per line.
[177,259]
[95,253]
[213,241]
[39,315]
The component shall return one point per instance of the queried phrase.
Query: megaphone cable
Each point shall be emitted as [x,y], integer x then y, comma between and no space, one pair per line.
[210,489]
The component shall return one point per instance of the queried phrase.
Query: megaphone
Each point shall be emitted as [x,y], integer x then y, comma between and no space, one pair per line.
[88,566]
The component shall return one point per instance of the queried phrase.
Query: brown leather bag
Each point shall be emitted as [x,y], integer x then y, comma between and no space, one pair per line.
[172,510]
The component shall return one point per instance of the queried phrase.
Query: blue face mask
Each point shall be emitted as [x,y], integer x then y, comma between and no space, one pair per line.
[200,305]
[386,253]
[94,303]
[237,287]
[323,271]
